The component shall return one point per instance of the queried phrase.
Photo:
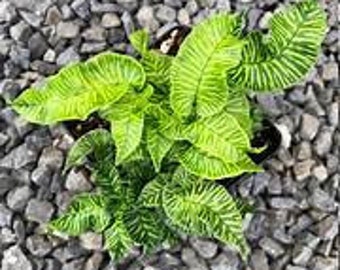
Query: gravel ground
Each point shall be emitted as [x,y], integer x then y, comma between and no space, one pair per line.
[295,223]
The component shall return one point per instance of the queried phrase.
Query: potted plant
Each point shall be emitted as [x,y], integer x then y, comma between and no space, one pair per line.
[172,125]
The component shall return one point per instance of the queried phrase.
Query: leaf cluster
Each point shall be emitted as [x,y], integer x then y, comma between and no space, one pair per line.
[177,123]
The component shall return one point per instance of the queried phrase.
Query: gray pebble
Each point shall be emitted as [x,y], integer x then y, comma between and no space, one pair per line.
[169,260]
[51,264]
[4,138]
[309,126]
[53,16]
[275,185]
[92,47]
[129,5]
[94,262]
[5,216]
[9,89]
[271,247]
[7,12]
[128,23]
[50,56]
[283,237]
[320,173]
[69,55]
[226,260]
[97,7]
[264,21]
[81,8]
[71,251]
[183,16]
[190,258]
[38,139]
[39,211]
[110,20]
[91,241]
[15,259]
[20,56]
[41,176]
[330,71]
[304,151]
[146,18]
[17,199]
[260,182]
[333,114]
[5,46]
[20,31]
[173,3]
[254,15]
[77,182]
[327,228]
[293,267]
[22,126]
[321,200]
[302,169]
[7,237]
[68,29]
[166,14]
[6,184]
[66,12]
[19,229]
[323,142]
[205,248]
[77,264]
[51,157]
[95,33]
[37,46]
[283,203]
[31,18]
[20,157]
[38,7]
[257,227]
[191,7]
[302,223]
[302,255]
[321,263]
[38,245]
[259,260]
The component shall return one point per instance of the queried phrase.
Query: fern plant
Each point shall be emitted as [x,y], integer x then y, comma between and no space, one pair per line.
[177,124]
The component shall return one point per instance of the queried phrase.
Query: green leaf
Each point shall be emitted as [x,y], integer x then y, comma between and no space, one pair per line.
[165,123]
[238,106]
[97,141]
[181,175]
[138,155]
[205,209]
[84,213]
[140,40]
[198,73]
[127,134]
[157,68]
[201,164]
[81,89]
[151,195]
[107,179]
[117,240]
[285,55]
[158,146]
[156,65]
[145,227]
[130,103]
[219,136]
